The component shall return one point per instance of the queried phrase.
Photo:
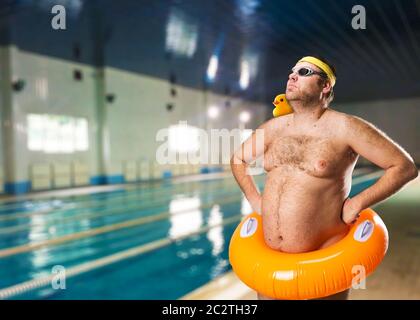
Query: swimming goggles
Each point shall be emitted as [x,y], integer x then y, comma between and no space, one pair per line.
[306,72]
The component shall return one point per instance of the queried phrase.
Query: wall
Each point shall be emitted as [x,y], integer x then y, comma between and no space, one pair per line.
[399,119]
[129,123]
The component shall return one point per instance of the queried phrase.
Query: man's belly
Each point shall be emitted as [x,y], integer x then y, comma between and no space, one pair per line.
[302,213]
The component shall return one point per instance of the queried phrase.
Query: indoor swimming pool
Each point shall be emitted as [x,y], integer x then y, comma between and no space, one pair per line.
[148,241]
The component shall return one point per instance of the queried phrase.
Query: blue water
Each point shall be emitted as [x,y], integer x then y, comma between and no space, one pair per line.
[168,272]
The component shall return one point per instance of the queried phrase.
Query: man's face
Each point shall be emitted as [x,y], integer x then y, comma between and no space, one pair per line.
[304,88]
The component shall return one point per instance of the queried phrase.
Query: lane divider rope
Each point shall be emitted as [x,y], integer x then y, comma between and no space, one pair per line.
[101,230]
[29,285]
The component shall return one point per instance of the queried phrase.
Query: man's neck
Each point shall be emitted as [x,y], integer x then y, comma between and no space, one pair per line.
[304,114]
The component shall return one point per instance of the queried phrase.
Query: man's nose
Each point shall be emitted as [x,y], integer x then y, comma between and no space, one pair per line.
[293,76]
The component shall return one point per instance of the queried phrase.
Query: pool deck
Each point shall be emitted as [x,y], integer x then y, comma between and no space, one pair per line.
[225,287]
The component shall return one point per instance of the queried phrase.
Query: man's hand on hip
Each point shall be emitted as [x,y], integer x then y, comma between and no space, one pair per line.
[350,212]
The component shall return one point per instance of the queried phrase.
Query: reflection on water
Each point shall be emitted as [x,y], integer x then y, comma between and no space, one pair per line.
[215,234]
[186,217]
[39,232]
[37,226]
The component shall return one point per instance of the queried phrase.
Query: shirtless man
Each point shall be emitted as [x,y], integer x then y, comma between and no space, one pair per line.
[309,157]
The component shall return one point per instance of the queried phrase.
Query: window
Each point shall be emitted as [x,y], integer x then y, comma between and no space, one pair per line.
[57,133]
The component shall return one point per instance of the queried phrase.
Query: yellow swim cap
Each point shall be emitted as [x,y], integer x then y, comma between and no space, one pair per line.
[323,66]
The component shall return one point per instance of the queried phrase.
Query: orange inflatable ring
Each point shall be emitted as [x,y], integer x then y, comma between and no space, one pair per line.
[312,274]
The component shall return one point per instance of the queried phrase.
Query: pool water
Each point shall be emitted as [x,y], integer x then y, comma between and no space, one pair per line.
[197,217]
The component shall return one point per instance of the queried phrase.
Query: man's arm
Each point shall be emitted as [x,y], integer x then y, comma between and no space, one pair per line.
[249,151]
[375,146]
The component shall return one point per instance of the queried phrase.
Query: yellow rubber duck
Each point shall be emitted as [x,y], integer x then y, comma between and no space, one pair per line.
[282,107]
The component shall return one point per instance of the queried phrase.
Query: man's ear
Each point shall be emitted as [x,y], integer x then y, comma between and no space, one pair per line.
[327,86]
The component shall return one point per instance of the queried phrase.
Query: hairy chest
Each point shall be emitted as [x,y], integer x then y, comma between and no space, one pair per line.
[319,157]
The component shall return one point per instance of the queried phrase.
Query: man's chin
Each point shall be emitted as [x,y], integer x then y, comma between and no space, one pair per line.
[291,96]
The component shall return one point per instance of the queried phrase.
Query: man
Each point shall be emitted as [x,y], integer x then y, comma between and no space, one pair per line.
[309,157]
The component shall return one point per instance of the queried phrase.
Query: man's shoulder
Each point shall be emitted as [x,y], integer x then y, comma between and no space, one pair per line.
[349,124]
[338,115]
[343,119]
[275,123]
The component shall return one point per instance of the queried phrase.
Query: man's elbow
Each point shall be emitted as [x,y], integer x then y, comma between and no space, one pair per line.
[235,160]
[410,169]
[415,172]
